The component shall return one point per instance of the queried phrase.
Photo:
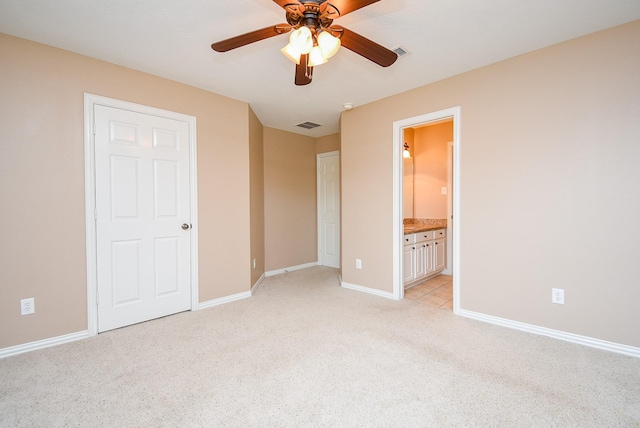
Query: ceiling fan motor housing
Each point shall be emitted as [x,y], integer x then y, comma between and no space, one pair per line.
[310,14]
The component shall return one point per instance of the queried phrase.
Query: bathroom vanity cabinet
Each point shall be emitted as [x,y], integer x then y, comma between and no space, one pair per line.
[424,255]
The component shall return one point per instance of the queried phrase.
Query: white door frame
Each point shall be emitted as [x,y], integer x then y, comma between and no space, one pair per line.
[450,232]
[318,191]
[90,101]
[398,230]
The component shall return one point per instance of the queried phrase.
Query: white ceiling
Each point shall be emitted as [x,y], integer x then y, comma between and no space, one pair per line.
[172,39]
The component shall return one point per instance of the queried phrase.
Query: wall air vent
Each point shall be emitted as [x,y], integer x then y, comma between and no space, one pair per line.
[400,51]
[308,125]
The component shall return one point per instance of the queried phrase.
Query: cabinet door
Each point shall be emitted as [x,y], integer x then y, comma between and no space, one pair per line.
[429,262]
[440,254]
[408,263]
[421,259]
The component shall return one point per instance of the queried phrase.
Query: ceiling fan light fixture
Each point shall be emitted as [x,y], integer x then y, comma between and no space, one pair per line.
[310,23]
[292,53]
[302,39]
[329,44]
[300,42]
[316,57]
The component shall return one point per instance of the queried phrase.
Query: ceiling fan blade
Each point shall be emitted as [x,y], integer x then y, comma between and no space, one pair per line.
[365,47]
[342,7]
[304,73]
[254,36]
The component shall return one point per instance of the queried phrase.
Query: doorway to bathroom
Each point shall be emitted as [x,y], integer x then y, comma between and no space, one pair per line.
[427,207]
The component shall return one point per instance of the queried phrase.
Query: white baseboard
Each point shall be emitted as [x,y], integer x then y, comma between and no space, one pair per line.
[257,284]
[223,300]
[289,269]
[41,344]
[72,337]
[556,334]
[368,290]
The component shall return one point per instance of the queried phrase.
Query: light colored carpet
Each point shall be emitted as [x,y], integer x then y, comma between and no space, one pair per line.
[305,352]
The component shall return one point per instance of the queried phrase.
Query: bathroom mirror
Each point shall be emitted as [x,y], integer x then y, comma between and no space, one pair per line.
[408,188]
[426,170]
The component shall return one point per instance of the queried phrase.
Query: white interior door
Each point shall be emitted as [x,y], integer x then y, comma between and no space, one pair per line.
[329,209]
[142,217]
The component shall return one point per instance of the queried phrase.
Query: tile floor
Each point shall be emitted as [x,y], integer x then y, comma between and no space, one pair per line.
[437,291]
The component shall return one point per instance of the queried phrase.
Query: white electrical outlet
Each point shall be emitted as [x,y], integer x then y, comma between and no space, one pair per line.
[557,296]
[358,264]
[27,306]
[444,190]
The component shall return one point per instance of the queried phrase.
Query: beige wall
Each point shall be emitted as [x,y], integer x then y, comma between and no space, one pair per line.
[290,199]
[328,143]
[42,183]
[256,159]
[430,169]
[549,185]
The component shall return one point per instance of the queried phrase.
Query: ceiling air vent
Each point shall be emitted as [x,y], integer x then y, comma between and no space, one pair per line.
[400,51]
[308,125]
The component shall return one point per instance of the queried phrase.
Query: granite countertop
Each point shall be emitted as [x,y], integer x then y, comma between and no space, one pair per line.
[416,225]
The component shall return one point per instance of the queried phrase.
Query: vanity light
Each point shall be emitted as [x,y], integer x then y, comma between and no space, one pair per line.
[406,153]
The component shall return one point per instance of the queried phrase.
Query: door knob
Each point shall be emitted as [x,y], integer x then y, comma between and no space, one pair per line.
[185,226]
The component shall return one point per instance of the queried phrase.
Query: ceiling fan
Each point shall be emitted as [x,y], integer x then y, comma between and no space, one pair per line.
[314,38]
